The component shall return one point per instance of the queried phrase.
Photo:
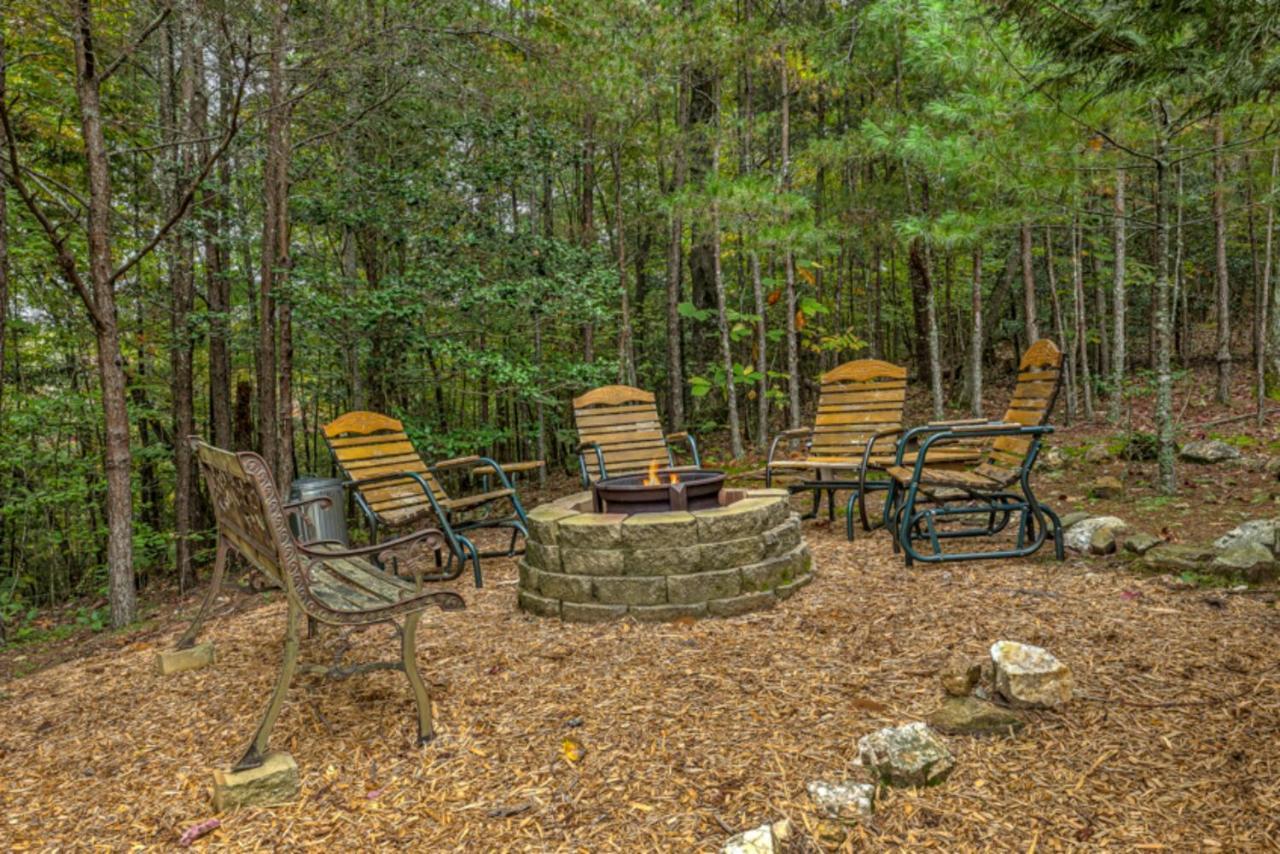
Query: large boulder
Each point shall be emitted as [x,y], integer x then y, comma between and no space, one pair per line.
[1028,676]
[1251,560]
[1079,536]
[1259,531]
[973,716]
[909,755]
[1208,452]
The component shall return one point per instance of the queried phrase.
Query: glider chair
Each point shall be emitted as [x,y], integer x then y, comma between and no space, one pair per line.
[923,496]
[860,411]
[394,488]
[619,433]
[324,582]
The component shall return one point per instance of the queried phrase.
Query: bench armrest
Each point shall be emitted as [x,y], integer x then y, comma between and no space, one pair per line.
[457,461]
[375,548]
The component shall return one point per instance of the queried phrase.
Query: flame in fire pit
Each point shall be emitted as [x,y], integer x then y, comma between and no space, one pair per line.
[653,480]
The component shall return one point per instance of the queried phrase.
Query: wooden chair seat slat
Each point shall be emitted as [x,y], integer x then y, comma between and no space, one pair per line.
[624,423]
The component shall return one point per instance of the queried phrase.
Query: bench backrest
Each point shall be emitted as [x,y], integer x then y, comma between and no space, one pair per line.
[1039,378]
[624,421]
[857,400]
[249,514]
[370,444]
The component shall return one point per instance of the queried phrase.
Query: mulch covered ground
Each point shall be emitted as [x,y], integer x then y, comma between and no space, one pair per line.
[690,731]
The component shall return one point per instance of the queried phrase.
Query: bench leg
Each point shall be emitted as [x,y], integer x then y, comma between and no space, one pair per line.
[409,655]
[188,638]
[257,750]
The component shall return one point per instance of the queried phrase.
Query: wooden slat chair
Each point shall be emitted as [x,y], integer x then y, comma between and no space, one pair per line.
[394,488]
[860,403]
[322,581]
[997,486]
[620,433]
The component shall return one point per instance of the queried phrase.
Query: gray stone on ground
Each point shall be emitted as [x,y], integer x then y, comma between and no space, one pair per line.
[1273,466]
[1052,458]
[1260,531]
[1075,517]
[1172,558]
[1208,452]
[1028,676]
[844,802]
[908,755]
[1256,563]
[1140,543]
[972,716]
[1107,486]
[1099,453]
[1079,536]
[959,676]
[765,839]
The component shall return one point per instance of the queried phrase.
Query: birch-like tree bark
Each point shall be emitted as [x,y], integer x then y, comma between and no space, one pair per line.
[1221,279]
[1031,325]
[1119,304]
[975,338]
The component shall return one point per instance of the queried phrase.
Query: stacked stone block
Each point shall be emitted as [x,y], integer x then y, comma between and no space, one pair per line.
[590,567]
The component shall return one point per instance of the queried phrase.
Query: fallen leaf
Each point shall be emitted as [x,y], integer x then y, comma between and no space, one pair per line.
[195,831]
[572,750]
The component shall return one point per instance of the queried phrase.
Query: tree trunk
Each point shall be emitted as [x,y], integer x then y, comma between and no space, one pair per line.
[182,123]
[216,266]
[1223,291]
[4,258]
[1060,328]
[793,344]
[1030,323]
[762,354]
[588,221]
[1265,288]
[722,314]
[1164,376]
[626,351]
[975,339]
[118,457]
[1119,305]
[1082,324]
[675,254]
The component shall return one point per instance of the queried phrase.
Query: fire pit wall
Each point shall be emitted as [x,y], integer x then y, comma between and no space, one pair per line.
[590,567]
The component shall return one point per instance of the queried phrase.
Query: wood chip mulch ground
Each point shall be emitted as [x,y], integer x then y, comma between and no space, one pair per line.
[687,732]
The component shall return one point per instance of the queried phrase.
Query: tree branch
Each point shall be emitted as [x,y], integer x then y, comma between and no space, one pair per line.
[129,51]
[189,193]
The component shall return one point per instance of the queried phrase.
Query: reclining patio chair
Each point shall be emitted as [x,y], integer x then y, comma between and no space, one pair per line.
[323,581]
[923,495]
[619,433]
[859,403]
[394,488]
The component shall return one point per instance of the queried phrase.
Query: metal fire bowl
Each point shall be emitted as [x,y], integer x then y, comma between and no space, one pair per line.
[696,490]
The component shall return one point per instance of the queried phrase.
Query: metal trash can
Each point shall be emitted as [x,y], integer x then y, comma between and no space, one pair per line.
[323,521]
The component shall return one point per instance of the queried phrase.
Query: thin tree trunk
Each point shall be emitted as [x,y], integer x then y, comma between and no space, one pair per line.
[4,257]
[722,313]
[1082,325]
[587,221]
[1223,291]
[762,354]
[1164,376]
[1178,304]
[1265,290]
[1030,323]
[675,360]
[1060,327]
[975,338]
[217,266]
[1119,305]
[793,344]
[626,351]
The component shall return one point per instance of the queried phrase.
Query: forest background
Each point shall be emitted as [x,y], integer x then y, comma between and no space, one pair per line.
[240,218]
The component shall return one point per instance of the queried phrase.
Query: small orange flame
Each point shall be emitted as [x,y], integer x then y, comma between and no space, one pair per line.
[652,479]
[674,477]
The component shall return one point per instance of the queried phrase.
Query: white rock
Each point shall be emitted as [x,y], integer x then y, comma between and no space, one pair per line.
[1028,676]
[1079,535]
[909,755]
[1208,451]
[764,839]
[845,802]
[1260,531]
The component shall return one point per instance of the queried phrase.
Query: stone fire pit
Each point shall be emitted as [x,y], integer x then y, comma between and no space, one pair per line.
[742,556]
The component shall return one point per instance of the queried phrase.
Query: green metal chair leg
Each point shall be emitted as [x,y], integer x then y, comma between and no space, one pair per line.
[188,638]
[408,653]
[257,750]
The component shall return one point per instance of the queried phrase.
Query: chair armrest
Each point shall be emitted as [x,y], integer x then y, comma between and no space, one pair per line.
[978,429]
[796,432]
[509,468]
[785,435]
[687,438]
[581,451]
[458,461]
[957,422]
[359,551]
